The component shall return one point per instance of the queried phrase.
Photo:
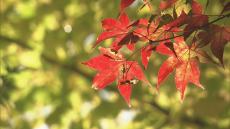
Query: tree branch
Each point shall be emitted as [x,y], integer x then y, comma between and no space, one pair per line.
[19,42]
[183,118]
[47,58]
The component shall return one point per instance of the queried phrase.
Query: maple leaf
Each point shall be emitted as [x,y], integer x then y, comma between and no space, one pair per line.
[113,28]
[218,37]
[112,66]
[120,30]
[185,65]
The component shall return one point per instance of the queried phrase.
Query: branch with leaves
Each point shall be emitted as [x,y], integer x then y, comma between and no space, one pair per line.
[182,36]
[155,105]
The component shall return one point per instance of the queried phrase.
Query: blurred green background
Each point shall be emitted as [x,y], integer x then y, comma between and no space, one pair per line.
[43,84]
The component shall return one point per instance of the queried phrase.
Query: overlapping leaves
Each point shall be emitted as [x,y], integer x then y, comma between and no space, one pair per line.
[180,37]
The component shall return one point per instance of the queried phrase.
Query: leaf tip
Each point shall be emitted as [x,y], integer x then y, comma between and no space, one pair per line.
[181,100]
[202,87]
[157,91]
[222,64]
[96,43]
[94,86]
[182,97]
[84,63]
[157,87]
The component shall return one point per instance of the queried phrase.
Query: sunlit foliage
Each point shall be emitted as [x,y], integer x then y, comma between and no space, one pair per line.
[43,84]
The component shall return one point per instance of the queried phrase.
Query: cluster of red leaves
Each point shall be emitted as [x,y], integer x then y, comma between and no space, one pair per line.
[181,38]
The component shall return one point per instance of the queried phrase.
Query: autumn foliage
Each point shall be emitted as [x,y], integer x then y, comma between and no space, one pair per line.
[181,36]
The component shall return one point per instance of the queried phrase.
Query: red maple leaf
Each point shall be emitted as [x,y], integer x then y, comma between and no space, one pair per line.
[120,29]
[111,66]
[114,28]
[185,65]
